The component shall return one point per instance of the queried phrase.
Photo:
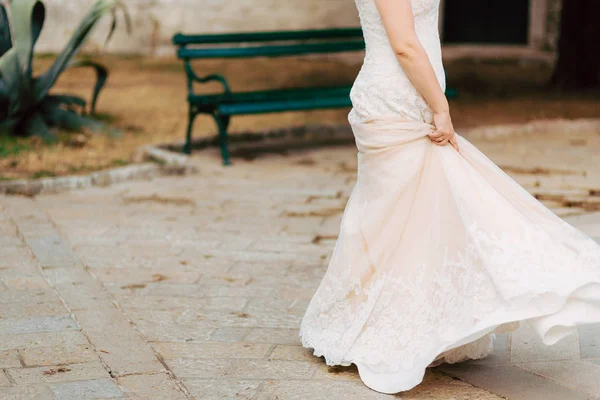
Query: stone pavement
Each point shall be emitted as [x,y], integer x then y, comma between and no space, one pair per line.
[194,287]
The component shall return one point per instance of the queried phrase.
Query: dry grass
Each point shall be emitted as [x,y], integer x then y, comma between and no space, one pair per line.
[146,99]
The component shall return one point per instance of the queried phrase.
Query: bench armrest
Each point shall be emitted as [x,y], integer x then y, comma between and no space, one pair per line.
[193,77]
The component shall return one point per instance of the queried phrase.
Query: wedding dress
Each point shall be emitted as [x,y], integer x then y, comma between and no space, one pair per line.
[438,249]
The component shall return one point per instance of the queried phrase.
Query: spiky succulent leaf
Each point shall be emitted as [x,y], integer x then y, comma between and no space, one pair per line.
[5,36]
[4,100]
[24,101]
[67,100]
[101,77]
[98,9]
[35,125]
[15,64]
[54,114]
[27,21]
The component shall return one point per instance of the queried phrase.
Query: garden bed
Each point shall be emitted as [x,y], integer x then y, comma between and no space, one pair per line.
[146,99]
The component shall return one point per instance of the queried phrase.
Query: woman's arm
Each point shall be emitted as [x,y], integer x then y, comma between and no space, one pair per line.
[398,21]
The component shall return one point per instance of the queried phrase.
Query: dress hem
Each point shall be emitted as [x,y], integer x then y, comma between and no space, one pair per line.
[572,310]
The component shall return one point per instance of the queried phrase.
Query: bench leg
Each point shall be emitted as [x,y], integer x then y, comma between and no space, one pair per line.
[187,147]
[223,124]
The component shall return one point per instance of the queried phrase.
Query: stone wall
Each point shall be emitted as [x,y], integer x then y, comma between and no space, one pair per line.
[553,24]
[155,21]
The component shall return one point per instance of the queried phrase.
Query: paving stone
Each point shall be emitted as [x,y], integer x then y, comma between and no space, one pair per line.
[283,246]
[171,350]
[200,290]
[501,353]
[581,375]
[512,382]
[92,389]
[318,390]
[60,276]
[589,337]
[35,227]
[82,296]
[37,324]
[227,279]
[337,373]
[37,392]
[260,269]
[25,282]
[216,318]
[4,382]
[174,273]
[9,241]
[441,391]
[293,353]
[48,339]
[527,347]
[31,303]
[58,355]
[276,336]
[166,332]
[587,223]
[18,260]
[62,373]
[235,272]
[52,251]
[229,334]
[126,256]
[168,303]
[221,389]
[9,359]
[236,243]
[270,304]
[241,368]
[153,386]
[121,347]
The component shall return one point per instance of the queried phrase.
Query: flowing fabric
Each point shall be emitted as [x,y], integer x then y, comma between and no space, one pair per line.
[437,250]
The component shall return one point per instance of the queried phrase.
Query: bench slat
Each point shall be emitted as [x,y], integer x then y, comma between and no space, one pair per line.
[268,95]
[338,33]
[283,105]
[272,51]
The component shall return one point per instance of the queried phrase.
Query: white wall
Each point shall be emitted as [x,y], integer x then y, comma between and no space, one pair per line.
[155,21]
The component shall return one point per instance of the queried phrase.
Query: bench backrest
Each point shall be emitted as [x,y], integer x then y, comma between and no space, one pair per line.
[301,42]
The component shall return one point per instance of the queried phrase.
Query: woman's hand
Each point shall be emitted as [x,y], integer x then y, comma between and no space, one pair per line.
[444,131]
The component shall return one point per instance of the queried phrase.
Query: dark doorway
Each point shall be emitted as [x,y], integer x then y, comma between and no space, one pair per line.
[480,21]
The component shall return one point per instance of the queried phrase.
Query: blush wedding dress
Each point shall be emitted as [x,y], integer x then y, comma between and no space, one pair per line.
[438,249]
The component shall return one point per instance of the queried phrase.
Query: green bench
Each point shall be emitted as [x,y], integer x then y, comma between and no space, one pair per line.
[221,106]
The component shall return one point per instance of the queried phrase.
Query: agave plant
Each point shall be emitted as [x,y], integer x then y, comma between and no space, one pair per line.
[26,107]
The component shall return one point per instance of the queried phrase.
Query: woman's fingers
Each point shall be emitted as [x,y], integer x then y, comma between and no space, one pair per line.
[438,135]
[442,142]
[442,139]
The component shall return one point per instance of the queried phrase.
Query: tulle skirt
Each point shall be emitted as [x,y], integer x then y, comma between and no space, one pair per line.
[439,249]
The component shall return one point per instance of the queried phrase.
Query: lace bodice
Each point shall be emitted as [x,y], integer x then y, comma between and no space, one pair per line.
[381,87]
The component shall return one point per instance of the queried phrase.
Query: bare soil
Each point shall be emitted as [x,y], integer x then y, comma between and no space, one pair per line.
[146,99]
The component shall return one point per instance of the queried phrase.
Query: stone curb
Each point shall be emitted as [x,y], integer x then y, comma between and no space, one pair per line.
[32,187]
[562,125]
[166,158]
[163,163]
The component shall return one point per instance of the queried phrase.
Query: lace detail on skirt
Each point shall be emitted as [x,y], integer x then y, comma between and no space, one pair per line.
[437,251]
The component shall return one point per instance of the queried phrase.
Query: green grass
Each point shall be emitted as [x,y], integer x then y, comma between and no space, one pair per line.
[10,146]
[120,162]
[43,174]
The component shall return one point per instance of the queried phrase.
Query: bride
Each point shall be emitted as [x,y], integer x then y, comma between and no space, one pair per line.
[438,247]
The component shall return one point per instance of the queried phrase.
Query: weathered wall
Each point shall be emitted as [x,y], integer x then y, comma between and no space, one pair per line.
[553,24]
[155,21]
